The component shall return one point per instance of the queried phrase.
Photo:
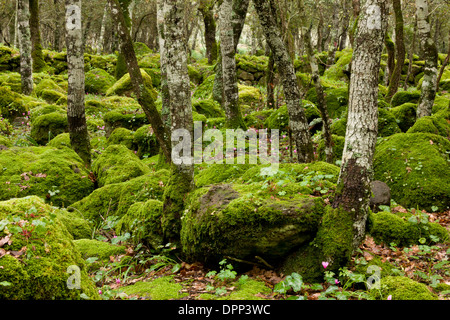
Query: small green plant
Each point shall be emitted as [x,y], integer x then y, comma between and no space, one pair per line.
[224,276]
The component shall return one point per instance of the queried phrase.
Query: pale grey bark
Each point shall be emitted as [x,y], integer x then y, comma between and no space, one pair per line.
[76,117]
[165,97]
[298,123]
[354,191]
[228,49]
[102,30]
[431,60]
[16,26]
[26,64]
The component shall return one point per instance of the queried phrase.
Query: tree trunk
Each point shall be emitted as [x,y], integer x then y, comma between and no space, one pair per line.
[205,8]
[411,56]
[390,65]
[240,8]
[356,6]
[101,37]
[321,103]
[353,189]
[36,53]
[143,95]
[58,26]
[16,25]
[431,60]
[230,88]
[400,53]
[270,76]
[334,36]
[181,180]
[444,64]
[79,136]
[298,123]
[23,24]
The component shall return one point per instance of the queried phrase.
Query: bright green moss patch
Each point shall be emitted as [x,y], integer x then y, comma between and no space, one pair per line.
[57,175]
[94,248]
[47,253]
[12,104]
[122,136]
[209,108]
[416,168]
[403,288]
[403,97]
[75,223]
[117,164]
[47,126]
[431,124]
[124,87]
[405,115]
[338,148]
[145,141]
[98,81]
[204,91]
[163,288]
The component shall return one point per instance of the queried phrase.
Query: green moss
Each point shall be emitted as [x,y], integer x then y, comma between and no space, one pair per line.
[124,87]
[387,124]
[5,126]
[268,227]
[405,115]
[194,74]
[124,119]
[279,119]
[335,98]
[386,227]
[145,140]
[217,173]
[248,290]
[46,109]
[98,81]
[336,71]
[4,141]
[163,288]
[46,127]
[55,174]
[209,108]
[115,199]
[249,95]
[204,91]
[413,164]
[403,97]
[12,104]
[117,164]
[251,64]
[143,222]
[41,273]
[403,288]
[94,248]
[122,136]
[75,223]
[431,124]
[53,96]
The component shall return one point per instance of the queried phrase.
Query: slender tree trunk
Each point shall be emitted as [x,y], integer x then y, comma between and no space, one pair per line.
[400,53]
[79,136]
[353,189]
[58,26]
[431,60]
[298,123]
[444,64]
[240,8]
[320,30]
[101,37]
[321,103]
[270,76]
[356,6]
[23,24]
[334,36]
[230,88]
[205,8]
[16,25]
[143,95]
[181,180]
[411,56]
[38,56]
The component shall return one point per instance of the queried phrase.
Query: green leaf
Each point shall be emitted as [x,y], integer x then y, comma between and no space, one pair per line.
[91,259]
[5,283]
[84,296]
[434,208]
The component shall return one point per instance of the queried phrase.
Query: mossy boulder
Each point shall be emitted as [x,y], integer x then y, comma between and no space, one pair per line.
[131,120]
[431,124]
[204,90]
[403,288]
[117,164]
[413,165]
[76,224]
[47,126]
[405,115]
[57,175]
[115,199]
[163,288]
[5,142]
[12,104]
[209,108]
[122,136]
[124,87]
[336,100]
[90,248]
[39,259]
[340,69]
[269,228]
[143,222]
[194,74]
[403,229]
[98,81]
[145,141]
[249,96]
[338,148]
[403,97]
[5,126]
[12,80]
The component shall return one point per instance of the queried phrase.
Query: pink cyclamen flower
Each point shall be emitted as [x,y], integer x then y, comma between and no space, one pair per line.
[336,281]
[99,291]
[117,280]
[389,297]
[325,264]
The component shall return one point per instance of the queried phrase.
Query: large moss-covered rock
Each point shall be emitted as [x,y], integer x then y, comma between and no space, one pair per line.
[98,81]
[94,248]
[117,164]
[335,98]
[40,251]
[416,168]
[12,104]
[9,59]
[403,288]
[124,87]
[143,222]
[431,124]
[115,199]
[47,126]
[124,119]
[339,70]
[145,140]
[204,91]
[122,136]
[57,175]
[405,115]
[403,229]
[403,97]
[209,108]
[269,227]
[338,148]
